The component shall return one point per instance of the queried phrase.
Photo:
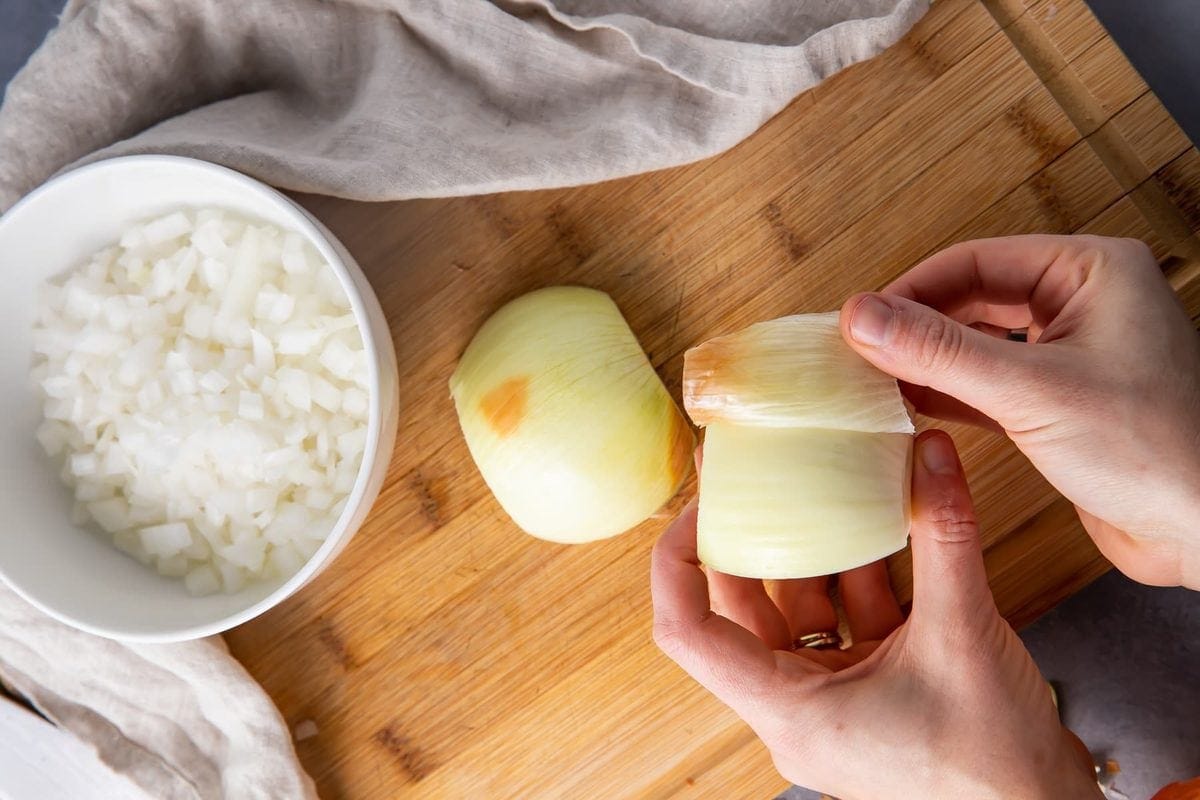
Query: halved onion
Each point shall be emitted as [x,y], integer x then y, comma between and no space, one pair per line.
[567,420]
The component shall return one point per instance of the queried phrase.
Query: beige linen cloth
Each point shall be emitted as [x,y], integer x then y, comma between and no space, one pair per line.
[375,100]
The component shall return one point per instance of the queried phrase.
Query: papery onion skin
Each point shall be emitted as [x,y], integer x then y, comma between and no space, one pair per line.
[566,418]
[790,372]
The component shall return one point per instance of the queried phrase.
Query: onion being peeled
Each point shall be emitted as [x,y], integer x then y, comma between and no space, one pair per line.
[807,451]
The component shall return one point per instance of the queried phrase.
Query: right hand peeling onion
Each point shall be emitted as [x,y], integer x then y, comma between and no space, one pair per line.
[566,418]
[807,451]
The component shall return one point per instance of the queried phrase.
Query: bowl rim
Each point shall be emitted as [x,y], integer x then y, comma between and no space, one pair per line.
[327,246]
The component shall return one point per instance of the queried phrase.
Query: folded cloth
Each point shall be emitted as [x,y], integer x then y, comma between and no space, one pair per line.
[374,100]
[182,721]
[392,99]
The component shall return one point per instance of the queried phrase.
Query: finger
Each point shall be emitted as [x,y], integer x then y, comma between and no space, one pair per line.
[871,608]
[806,605]
[746,602]
[999,316]
[832,659]
[921,346]
[722,656]
[949,581]
[994,331]
[1041,272]
[934,404]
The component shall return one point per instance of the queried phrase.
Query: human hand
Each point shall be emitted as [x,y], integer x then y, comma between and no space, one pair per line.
[1104,399]
[946,705]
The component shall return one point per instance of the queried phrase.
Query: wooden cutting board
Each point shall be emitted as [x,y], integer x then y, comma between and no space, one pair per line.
[447,655]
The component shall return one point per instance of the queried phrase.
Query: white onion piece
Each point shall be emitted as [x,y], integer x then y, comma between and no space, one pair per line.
[800,502]
[194,380]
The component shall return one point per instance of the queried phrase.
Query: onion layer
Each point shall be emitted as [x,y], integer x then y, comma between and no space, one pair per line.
[798,502]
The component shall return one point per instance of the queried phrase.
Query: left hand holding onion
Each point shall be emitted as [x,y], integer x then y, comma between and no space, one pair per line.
[947,704]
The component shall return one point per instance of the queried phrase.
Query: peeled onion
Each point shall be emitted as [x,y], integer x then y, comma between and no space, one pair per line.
[567,420]
[807,451]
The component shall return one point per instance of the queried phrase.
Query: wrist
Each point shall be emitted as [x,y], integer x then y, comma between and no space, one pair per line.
[1078,788]
[1069,774]
[1186,536]
[1067,779]
[1074,776]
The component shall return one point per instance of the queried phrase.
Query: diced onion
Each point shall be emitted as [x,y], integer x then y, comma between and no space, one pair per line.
[194,390]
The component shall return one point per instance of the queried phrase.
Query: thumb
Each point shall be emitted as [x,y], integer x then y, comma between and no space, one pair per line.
[922,346]
[949,581]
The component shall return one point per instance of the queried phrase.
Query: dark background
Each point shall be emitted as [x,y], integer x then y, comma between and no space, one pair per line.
[1124,657]
[1162,39]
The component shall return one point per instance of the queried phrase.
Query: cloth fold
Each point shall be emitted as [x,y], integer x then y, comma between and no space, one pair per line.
[372,100]
[182,721]
[388,99]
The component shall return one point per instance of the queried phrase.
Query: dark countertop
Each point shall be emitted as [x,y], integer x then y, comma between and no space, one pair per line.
[1162,39]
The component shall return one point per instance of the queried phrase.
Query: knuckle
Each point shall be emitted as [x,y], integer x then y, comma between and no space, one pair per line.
[951,521]
[935,342]
[957,531]
[1117,255]
[669,638]
[1138,249]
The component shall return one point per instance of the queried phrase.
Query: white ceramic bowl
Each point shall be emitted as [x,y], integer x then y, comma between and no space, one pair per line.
[72,574]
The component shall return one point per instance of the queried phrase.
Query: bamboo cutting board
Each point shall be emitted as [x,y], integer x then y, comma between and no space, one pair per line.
[447,655]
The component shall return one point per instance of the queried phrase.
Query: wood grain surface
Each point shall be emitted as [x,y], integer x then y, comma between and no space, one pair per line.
[447,655]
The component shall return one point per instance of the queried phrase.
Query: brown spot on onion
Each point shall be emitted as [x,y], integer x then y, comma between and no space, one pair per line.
[504,407]
[705,382]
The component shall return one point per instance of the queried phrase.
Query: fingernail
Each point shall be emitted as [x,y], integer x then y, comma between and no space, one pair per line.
[871,323]
[938,456]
